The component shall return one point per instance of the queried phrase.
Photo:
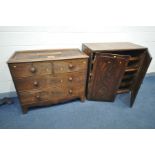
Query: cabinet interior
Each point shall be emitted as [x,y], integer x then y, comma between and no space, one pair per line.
[130,71]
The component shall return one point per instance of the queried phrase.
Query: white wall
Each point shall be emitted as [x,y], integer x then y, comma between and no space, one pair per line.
[23,38]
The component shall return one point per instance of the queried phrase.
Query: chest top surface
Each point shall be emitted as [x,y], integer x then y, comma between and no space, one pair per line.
[113,46]
[43,55]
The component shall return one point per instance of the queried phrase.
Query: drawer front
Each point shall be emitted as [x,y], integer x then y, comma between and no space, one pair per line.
[70,65]
[30,83]
[30,69]
[68,79]
[42,82]
[53,96]
[34,97]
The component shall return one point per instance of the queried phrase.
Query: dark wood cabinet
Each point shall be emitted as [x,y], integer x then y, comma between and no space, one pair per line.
[115,68]
[44,77]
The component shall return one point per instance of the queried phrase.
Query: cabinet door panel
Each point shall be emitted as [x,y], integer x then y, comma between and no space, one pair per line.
[108,70]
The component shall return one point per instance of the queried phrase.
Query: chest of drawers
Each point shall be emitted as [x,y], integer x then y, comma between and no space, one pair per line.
[44,77]
[115,68]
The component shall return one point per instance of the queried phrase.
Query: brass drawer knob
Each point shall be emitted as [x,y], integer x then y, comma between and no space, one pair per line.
[70,78]
[35,83]
[70,66]
[33,69]
[70,91]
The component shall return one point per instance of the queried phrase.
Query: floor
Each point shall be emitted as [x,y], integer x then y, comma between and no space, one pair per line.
[90,114]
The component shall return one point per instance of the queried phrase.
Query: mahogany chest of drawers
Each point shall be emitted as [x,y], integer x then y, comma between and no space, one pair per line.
[43,77]
[115,68]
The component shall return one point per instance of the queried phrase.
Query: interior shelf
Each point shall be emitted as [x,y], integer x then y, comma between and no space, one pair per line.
[134,59]
[131,69]
[120,91]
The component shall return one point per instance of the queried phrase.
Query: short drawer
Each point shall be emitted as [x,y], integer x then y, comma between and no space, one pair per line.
[60,81]
[70,65]
[30,69]
[30,83]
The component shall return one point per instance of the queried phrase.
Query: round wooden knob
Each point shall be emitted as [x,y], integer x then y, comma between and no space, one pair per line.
[70,91]
[70,78]
[35,83]
[70,66]
[38,97]
[33,69]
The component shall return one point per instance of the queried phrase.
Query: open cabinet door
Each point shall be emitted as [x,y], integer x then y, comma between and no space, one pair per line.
[107,73]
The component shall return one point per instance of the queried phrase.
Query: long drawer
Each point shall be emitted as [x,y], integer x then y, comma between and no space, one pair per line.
[48,81]
[50,95]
